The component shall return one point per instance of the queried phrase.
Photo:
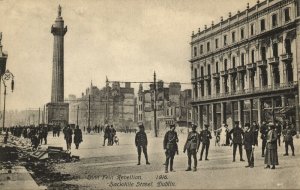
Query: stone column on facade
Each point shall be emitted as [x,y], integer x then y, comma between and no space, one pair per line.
[222,113]
[213,122]
[251,110]
[199,91]
[283,100]
[222,85]
[259,107]
[213,88]
[270,76]
[229,80]
[240,112]
[198,115]
[206,88]
[207,114]
[298,71]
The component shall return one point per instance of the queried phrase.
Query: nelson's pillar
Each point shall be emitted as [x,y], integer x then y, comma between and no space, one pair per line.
[57,110]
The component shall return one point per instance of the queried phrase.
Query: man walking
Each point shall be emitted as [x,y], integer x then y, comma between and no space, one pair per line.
[237,140]
[141,143]
[68,136]
[288,134]
[192,146]
[264,132]
[249,142]
[170,147]
[205,137]
[255,129]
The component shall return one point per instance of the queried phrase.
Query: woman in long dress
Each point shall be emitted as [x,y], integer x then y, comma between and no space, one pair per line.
[271,156]
[223,135]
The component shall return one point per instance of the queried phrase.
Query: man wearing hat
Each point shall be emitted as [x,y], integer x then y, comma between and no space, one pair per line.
[192,146]
[271,156]
[237,140]
[170,147]
[141,143]
[263,131]
[249,142]
[205,137]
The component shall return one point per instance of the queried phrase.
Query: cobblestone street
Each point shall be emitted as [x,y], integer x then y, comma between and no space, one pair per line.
[100,167]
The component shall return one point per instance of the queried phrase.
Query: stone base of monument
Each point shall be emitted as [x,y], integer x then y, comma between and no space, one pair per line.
[58,113]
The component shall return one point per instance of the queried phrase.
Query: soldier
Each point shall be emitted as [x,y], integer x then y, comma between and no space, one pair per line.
[237,140]
[205,137]
[271,157]
[249,142]
[170,147]
[68,136]
[255,129]
[77,136]
[192,146]
[264,132]
[288,134]
[141,143]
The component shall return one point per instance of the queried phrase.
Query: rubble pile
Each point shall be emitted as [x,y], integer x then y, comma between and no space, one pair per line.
[39,163]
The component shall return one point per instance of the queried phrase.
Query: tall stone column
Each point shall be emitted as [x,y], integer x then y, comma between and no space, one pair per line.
[213,116]
[58,30]
[57,110]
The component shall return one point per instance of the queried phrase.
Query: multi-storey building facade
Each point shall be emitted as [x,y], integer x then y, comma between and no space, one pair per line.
[111,104]
[245,68]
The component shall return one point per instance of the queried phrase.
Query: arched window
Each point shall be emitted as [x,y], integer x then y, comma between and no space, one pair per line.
[275,50]
[208,69]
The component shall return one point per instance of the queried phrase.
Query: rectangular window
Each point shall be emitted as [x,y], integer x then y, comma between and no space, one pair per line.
[242,33]
[263,53]
[217,67]
[233,37]
[225,40]
[262,25]
[202,72]
[275,50]
[217,43]
[243,59]
[287,15]
[252,29]
[208,46]
[195,51]
[274,20]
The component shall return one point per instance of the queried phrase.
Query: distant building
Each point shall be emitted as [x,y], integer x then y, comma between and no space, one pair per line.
[172,105]
[112,104]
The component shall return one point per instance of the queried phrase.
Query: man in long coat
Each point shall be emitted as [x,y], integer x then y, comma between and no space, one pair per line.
[141,143]
[205,137]
[237,140]
[77,136]
[192,145]
[170,147]
[249,142]
[288,134]
[264,131]
[68,137]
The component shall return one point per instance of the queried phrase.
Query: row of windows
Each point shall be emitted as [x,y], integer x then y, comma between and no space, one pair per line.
[242,58]
[287,18]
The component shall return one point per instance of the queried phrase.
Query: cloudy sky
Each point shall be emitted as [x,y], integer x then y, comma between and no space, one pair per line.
[123,39]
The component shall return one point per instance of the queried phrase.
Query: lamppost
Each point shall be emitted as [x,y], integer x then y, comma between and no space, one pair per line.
[6,77]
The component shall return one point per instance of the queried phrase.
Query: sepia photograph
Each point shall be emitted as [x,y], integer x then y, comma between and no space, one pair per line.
[149,94]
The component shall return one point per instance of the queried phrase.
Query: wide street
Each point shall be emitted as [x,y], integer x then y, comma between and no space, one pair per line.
[113,167]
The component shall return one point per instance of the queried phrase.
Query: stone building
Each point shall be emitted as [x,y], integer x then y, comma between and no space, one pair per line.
[245,67]
[111,104]
[172,105]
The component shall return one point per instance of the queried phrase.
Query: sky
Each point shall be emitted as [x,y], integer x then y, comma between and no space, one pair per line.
[125,40]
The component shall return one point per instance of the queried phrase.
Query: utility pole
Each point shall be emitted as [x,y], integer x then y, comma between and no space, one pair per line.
[89,111]
[39,116]
[154,86]
[77,115]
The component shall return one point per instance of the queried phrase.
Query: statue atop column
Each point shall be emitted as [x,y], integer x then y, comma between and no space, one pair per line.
[59,11]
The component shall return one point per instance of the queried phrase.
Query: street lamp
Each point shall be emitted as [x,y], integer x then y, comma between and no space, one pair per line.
[6,77]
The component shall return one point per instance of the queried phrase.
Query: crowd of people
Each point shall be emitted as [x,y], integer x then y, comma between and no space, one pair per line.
[237,137]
